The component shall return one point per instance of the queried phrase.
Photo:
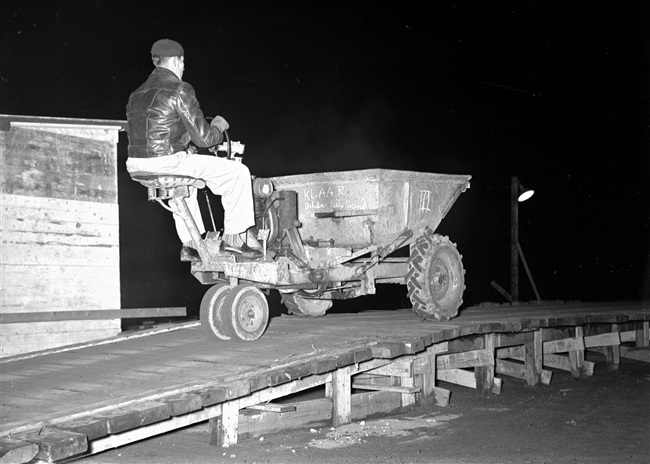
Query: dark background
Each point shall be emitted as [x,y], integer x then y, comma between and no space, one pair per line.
[555,93]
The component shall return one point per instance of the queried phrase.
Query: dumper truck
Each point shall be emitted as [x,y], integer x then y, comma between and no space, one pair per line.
[325,236]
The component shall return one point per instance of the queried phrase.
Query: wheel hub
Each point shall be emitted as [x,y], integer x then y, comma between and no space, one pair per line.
[440,279]
[250,315]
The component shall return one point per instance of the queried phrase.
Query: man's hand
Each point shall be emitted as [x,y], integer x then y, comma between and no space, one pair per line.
[220,123]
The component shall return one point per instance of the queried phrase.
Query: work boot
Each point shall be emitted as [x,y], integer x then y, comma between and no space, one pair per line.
[190,254]
[244,251]
[242,244]
[248,238]
[251,240]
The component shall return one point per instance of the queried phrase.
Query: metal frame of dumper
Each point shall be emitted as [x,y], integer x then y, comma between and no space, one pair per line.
[326,236]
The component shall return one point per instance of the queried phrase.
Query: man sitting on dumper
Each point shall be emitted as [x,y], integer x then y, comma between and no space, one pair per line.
[163,116]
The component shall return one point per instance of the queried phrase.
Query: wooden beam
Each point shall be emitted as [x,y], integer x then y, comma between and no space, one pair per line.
[55,444]
[564,345]
[457,376]
[496,386]
[92,314]
[289,388]
[214,424]
[425,379]
[130,436]
[418,365]
[396,369]
[643,335]
[465,360]
[184,403]
[403,363]
[577,355]
[530,359]
[437,348]
[408,397]
[557,361]
[369,365]
[613,352]
[272,407]
[513,352]
[441,396]
[538,354]
[370,403]
[628,336]
[605,339]
[229,423]
[341,393]
[612,357]
[505,367]
[14,450]
[638,354]
[253,423]
[511,339]
[390,388]
[510,368]
[485,374]
[93,428]
[371,378]
[561,362]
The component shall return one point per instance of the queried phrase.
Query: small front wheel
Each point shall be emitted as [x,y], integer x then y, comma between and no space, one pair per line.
[248,312]
[211,313]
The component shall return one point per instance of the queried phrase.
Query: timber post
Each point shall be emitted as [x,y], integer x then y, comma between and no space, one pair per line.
[341,396]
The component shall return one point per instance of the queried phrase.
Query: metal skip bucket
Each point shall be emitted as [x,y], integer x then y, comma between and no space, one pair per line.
[373,212]
[370,207]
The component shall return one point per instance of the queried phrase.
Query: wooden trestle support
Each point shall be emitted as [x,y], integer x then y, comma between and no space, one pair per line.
[376,378]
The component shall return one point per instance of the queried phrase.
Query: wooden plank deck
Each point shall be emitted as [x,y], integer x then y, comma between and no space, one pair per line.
[107,388]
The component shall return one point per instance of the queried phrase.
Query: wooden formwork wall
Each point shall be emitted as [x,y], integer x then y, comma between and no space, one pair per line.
[60,231]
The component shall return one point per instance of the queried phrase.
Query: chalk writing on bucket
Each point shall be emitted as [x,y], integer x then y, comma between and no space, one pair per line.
[331,196]
[425,199]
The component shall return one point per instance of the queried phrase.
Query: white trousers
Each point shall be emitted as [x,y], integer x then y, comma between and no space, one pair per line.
[228,178]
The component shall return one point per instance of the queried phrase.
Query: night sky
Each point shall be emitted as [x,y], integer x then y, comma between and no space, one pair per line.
[556,93]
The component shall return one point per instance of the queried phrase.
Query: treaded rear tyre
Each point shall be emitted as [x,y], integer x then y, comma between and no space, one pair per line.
[435,279]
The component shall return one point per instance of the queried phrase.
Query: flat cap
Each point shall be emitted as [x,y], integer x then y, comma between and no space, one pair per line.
[167,47]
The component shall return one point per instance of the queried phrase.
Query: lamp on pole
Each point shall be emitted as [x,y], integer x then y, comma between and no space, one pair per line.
[518,194]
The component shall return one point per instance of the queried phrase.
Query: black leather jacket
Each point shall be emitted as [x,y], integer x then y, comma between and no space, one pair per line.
[163,114]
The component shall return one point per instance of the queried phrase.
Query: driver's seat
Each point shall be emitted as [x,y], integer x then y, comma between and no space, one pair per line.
[166,186]
[176,189]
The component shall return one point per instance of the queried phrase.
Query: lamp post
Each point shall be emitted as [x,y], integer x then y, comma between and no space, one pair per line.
[517,194]
[514,239]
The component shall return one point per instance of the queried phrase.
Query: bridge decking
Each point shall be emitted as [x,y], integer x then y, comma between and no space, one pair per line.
[78,401]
